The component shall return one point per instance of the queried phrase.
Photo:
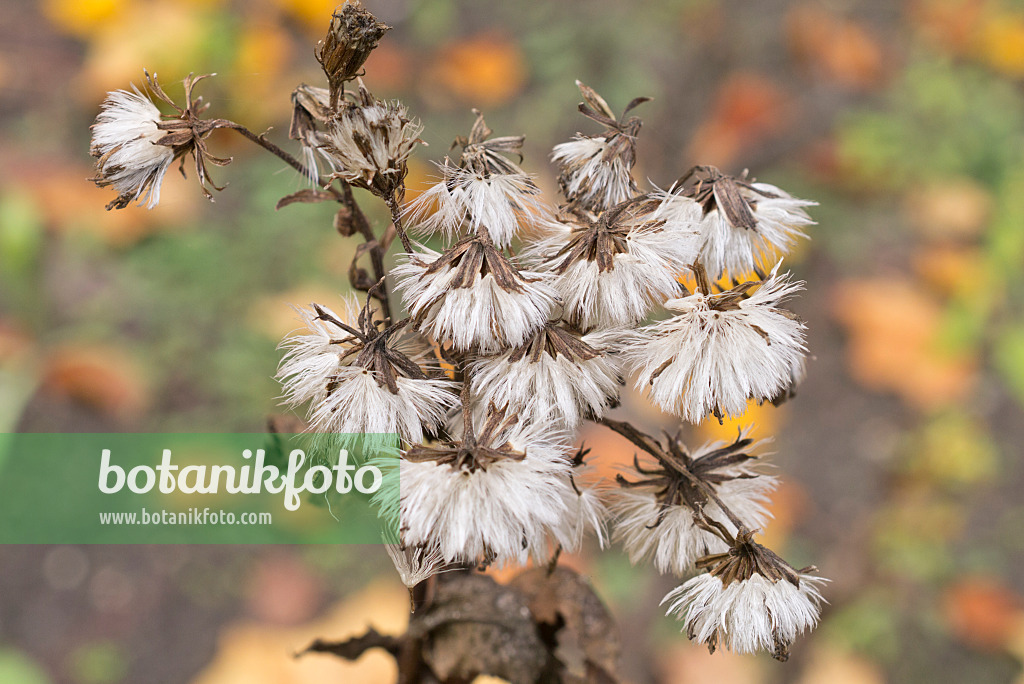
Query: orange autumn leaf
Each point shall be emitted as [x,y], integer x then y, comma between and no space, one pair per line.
[101,377]
[894,343]
[951,24]
[747,108]
[950,270]
[1001,43]
[981,611]
[482,71]
[838,48]
[956,208]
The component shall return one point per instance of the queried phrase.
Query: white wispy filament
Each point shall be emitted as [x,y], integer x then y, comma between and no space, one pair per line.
[488,314]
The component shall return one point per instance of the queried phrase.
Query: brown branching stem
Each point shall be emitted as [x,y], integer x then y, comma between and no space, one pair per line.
[396,218]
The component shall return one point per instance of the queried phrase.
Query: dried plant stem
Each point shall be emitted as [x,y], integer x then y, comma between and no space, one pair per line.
[262,141]
[396,217]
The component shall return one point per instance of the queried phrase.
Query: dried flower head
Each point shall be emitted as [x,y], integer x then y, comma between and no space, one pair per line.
[495,495]
[558,373]
[473,296]
[485,191]
[369,141]
[353,34]
[363,377]
[720,349]
[595,171]
[125,142]
[749,600]
[743,221]
[659,515]
[614,266]
[134,144]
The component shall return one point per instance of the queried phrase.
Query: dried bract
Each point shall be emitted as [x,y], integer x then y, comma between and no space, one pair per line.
[352,36]
[369,142]
[659,515]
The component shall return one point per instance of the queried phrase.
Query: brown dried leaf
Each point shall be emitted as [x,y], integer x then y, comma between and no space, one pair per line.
[586,639]
[306,196]
[475,626]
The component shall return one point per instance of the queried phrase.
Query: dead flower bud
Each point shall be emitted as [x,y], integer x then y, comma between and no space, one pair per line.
[134,144]
[310,113]
[352,36]
[594,171]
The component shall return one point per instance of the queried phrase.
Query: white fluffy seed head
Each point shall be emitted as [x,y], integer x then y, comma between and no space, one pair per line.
[677,541]
[124,141]
[484,316]
[704,359]
[503,204]
[505,511]
[550,387]
[369,143]
[781,220]
[344,397]
[746,616]
[644,273]
[590,179]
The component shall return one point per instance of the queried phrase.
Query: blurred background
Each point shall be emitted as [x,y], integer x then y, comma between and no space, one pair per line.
[899,456]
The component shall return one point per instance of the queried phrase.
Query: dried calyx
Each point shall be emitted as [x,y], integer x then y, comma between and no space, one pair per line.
[745,558]
[553,339]
[371,347]
[601,237]
[681,480]
[352,36]
[712,189]
[488,156]
[476,255]
[473,451]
